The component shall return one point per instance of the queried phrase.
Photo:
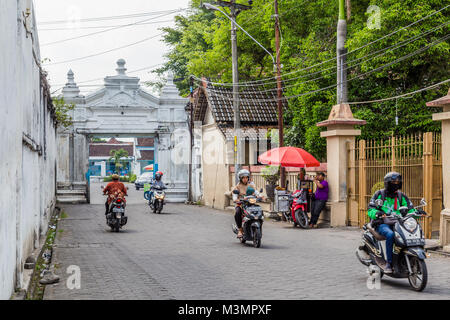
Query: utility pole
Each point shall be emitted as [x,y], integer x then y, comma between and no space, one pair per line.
[341,54]
[235,9]
[279,90]
[191,127]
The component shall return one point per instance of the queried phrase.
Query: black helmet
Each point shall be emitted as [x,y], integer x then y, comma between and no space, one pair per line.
[389,178]
[158,175]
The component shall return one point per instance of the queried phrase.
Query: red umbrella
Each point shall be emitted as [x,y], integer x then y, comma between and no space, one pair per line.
[288,157]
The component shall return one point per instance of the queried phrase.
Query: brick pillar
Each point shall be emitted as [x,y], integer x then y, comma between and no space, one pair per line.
[444,117]
[340,131]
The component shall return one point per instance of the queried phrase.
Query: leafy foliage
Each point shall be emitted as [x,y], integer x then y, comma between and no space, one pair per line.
[200,45]
[271,174]
[117,155]
[62,112]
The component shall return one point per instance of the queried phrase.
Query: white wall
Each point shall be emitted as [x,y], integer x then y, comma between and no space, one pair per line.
[29,195]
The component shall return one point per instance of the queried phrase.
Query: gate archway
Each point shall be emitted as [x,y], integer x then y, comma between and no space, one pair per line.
[122,108]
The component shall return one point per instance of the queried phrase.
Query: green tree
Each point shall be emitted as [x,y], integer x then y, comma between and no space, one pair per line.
[98,140]
[62,112]
[200,45]
[116,156]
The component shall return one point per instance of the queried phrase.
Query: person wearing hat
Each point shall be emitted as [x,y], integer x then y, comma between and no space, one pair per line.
[115,189]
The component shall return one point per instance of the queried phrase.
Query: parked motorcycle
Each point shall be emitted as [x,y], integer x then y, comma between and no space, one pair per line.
[299,205]
[115,218]
[157,202]
[408,251]
[252,220]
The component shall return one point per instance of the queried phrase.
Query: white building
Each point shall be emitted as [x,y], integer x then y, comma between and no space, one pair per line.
[122,108]
[28,143]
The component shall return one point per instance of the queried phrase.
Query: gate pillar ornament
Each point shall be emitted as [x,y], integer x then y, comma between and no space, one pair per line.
[444,117]
[340,132]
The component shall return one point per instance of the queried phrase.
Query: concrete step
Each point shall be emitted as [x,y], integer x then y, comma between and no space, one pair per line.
[175,200]
[71,186]
[71,199]
[71,192]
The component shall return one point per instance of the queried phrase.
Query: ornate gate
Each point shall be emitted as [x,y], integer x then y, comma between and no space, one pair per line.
[417,157]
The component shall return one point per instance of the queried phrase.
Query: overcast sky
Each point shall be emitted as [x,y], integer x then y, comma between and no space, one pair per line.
[138,56]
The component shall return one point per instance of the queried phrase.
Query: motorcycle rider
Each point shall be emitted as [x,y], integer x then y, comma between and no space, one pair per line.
[114,189]
[243,186]
[394,199]
[157,182]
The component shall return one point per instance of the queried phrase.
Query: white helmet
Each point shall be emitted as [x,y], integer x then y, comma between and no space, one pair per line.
[243,173]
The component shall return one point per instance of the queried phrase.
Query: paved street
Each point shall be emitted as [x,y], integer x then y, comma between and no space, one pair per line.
[190,252]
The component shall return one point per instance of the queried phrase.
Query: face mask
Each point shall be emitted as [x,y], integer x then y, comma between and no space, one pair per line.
[393,188]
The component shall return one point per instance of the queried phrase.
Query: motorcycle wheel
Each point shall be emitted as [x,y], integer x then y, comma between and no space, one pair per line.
[256,238]
[418,280]
[302,218]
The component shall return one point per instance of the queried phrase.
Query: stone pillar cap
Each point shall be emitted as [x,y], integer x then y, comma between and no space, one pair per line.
[441,102]
[341,114]
[121,67]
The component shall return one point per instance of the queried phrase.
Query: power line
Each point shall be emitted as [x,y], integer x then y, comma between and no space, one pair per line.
[333,59]
[364,59]
[127,16]
[107,51]
[128,72]
[103,31]
[104,27]
[356,77]
[402,95]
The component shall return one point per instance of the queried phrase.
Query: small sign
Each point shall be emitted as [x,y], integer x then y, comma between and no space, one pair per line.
[146,187]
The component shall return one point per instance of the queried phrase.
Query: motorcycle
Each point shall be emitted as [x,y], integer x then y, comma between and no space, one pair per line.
[299,204]
[252,220]
[408,251]
[115,218]
[157,202]
[298,214]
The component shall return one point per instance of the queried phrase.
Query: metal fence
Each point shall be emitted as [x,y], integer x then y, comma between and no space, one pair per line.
[417,157]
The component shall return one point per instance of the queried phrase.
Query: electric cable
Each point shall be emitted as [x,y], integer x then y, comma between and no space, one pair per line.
[393,47]
[103,31]
[104,27]
[347,53]
[402,95]
[128,72]
[103,52]
[127,16]
[351,79]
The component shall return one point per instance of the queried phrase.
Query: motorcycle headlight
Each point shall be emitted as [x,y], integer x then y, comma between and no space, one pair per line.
[410,224]
[252,201]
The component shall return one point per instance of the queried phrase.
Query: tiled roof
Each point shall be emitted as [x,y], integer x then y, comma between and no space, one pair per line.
[102,150]
[145,142]
[253,132]
[146,155]
[114,141]
[256,107]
